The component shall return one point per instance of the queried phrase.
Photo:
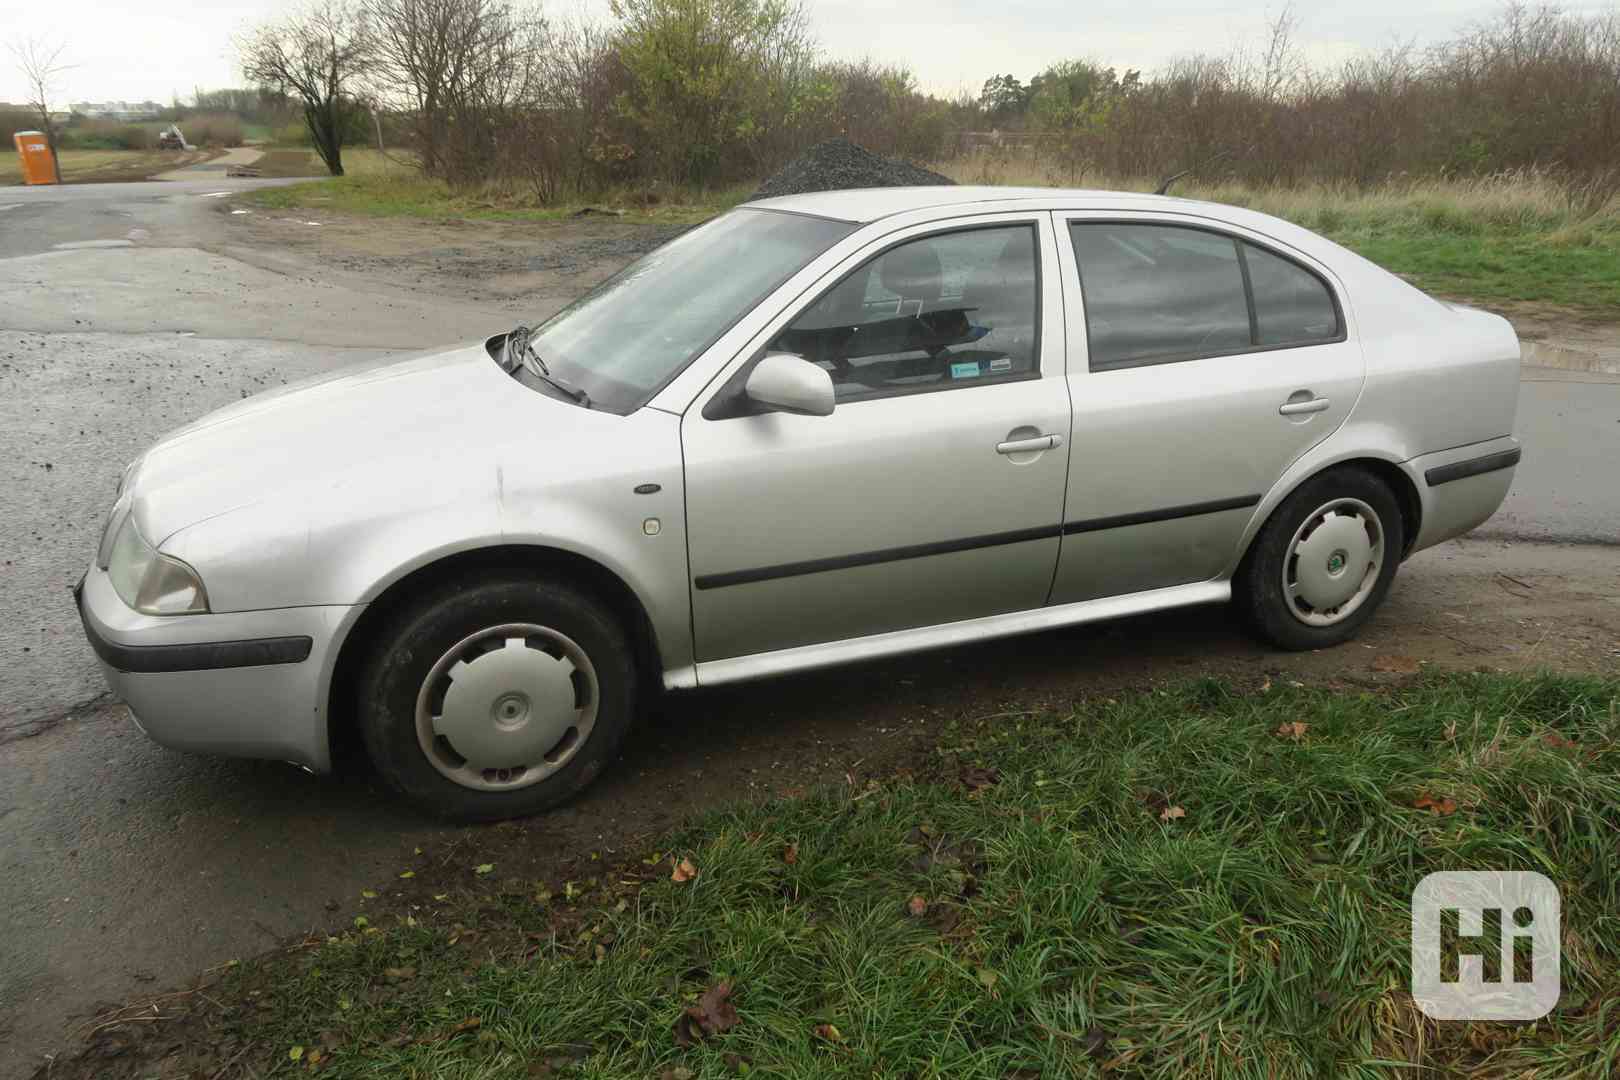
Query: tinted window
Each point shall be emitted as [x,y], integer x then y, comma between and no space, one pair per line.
[1155,293]
[956,309]
[628,336]
[1292,306]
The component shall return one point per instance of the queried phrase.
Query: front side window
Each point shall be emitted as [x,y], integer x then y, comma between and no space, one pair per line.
[623,340]
[950,310]
[1157,294]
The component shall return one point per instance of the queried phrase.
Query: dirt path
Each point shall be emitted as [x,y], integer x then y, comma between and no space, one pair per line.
[216,166]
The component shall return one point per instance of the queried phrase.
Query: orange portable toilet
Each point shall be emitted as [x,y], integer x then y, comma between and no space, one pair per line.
[35,152]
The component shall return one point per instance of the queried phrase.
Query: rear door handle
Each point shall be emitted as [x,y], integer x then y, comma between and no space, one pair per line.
[1309,405]
[1029,446]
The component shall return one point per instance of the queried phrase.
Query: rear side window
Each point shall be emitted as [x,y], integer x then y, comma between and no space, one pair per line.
[1157,294]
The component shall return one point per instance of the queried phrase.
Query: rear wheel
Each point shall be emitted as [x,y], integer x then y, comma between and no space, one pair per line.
[1323,562]
[498,697]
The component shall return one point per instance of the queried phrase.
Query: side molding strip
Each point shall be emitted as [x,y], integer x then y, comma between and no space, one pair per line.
[1169,513]
[1462,470]
[970,543]
[868,558]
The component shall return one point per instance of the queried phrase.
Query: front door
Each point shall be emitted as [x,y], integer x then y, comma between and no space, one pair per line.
[932,493]
[1204,365]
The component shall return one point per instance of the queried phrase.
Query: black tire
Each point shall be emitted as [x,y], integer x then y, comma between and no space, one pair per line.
[1257,591]
[428,627]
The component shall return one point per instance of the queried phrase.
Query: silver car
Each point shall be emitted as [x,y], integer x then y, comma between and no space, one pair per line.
[817,429]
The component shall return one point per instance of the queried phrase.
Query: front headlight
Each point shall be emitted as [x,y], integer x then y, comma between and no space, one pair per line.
[150,582]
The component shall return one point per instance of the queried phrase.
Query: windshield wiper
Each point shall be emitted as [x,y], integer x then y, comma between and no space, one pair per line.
[519,346]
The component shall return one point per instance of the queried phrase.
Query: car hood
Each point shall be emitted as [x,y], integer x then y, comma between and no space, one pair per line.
[382,415]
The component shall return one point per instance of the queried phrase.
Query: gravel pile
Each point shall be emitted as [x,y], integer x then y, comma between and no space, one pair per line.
[839,163]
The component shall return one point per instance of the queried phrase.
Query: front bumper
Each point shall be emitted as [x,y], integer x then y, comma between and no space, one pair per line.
[241,684]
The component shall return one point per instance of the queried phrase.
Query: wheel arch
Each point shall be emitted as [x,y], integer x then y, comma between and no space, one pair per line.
[1386,470]
[341,729]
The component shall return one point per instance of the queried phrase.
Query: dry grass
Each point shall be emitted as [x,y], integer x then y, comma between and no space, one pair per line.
[1528,235]
[1520,198]
[106,166]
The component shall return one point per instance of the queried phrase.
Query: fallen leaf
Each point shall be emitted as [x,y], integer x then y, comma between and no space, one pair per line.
[408,874]
[918,907]
[791,855]
[684,871]
[1171,813]
[713,1014]
[1396,664]
[368,894]
[441,897]
[400,974]
[361,922]
[829,1033]
[484,868]
[296,1054]
[1293,729]
[1443,806]
[977,778]
[987,978]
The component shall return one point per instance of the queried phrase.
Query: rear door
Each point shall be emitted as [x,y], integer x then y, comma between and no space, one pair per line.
[1203,361]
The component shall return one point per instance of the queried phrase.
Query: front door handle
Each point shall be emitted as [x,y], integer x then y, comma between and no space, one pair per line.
[1297,405]
[1031,445]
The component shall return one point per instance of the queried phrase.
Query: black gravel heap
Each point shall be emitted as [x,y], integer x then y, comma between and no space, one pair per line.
[839,163]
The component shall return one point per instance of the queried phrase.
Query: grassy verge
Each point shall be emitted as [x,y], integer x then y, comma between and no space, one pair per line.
[1514,238]
[1190,882]
[106,166]
[387,186]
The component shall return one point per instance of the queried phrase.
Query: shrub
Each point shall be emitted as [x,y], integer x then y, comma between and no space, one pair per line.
[212,129]
[106,135]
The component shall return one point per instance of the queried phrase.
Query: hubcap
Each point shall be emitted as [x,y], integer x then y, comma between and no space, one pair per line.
[1333,562]
[506,707]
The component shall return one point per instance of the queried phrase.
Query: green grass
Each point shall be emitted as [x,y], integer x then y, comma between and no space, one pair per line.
[1073,925]
[1444,249]
[383,186]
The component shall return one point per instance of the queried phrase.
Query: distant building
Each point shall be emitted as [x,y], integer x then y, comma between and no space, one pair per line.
[117,110]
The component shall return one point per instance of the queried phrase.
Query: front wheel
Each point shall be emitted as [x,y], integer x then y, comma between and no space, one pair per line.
[497,698]
[1323,561]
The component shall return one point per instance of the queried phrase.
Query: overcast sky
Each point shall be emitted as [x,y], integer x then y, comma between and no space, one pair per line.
[159,48]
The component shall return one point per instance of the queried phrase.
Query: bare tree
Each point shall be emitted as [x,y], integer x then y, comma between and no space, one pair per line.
[464,70]
[317,56]
[41,66]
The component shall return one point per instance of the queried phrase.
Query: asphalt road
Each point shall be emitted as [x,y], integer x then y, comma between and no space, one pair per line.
[125,867]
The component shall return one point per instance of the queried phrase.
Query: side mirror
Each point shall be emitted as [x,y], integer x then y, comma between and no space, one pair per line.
[792,384]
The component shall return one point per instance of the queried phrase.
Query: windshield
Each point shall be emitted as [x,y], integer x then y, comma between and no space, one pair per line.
[621,342]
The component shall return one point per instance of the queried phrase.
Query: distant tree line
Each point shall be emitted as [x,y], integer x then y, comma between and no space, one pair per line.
[1532,88]
[722,91]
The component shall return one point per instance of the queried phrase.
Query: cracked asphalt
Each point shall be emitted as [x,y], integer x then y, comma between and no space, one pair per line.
[124,868]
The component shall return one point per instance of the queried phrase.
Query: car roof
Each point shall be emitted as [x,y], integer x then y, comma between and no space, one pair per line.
[862,205]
